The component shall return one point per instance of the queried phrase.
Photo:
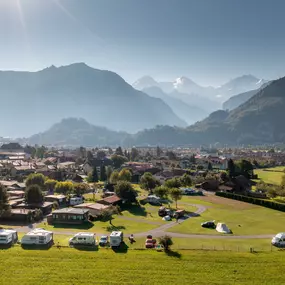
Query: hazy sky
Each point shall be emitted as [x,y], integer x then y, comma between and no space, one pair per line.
[210,41]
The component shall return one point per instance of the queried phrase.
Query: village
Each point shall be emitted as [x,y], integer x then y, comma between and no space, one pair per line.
[100,196]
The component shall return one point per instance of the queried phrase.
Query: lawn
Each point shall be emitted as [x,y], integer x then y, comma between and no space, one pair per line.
[272,175]
[70,266]
[128,226]
[240,217]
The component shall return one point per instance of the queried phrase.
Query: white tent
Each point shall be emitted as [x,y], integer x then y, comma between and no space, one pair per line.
[222,228]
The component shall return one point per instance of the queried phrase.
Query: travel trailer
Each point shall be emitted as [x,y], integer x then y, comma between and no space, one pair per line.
[8,237]
[279,240]
[37,237]
[83,239]
[76,201]
[116,238]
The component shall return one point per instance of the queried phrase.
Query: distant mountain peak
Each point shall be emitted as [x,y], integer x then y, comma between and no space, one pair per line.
[145,82]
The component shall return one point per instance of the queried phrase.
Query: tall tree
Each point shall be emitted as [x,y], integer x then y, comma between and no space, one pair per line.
[148,182]
[36,179]
[125,175]
[4,203]
[186,180]
[107,214]
[94,175]
[173,183]
[89,155]
[118,160]
[210,167]
[34,194]
[231,168]
[126,191]
[50,184]
[161,191]
[109,171]
[119,151]
[101,154]
[158,151]
[176,194]
[103,175]
[134,154]
[114,178]
[64,187]
[80,188]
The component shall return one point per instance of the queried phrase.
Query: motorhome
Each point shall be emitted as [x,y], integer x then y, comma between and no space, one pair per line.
[116,238]
[279,240]
[83,239]
[37,237]
[8,237]
[76,201]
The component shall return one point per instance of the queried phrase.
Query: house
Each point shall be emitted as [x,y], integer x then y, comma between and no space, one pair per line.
[111,200]
[45,207]
[60,199]
[210,185]
[68,216]
[22,170]
[13,185]
[95,209]
[16,194]
[20,215]
[89,165]
[68,165]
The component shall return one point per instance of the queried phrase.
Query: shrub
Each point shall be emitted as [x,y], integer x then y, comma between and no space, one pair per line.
[166,241]
[252,200]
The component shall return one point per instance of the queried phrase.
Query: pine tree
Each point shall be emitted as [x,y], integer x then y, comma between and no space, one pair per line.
[95,175]
[4,205]
[103,175]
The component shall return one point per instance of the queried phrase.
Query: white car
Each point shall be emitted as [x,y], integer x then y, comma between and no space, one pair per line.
[104,240]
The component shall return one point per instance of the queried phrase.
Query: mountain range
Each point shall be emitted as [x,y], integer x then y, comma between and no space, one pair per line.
[187,86]
[259,120]
[35,100]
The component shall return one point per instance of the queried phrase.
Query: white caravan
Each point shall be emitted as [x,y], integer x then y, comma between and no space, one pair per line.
[279,240]
[8,237]
[222,228]
[116,238]
[83,239]
[75,201]
[37,237]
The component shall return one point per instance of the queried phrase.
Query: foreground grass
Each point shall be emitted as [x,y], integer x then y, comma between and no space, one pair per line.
[70,266]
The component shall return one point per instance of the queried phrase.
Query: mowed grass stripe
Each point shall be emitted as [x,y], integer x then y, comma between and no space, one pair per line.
[69,266]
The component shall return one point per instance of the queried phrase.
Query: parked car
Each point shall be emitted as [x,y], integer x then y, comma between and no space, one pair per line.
[279,240]
[83,239]
[209,225]
[103,240]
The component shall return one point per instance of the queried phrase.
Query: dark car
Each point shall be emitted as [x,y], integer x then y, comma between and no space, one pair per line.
[209,225]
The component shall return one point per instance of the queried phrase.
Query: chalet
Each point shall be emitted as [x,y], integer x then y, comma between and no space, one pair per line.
[22,170]
[89,165]
[111,200]
[16,194]
[60,199]
[95,209]
[13,185]
[20,215]
[68,216]
[45,207]
[68,165]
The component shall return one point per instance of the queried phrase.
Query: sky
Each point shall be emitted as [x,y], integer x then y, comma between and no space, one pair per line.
[209,41]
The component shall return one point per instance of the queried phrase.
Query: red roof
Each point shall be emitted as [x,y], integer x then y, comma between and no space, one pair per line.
[112,199]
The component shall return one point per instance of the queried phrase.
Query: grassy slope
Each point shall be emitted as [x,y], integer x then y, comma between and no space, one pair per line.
[69,266]
[271,177]
[247,220]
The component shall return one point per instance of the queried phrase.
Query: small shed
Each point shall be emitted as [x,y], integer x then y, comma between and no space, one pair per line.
[60,199]
[111,200]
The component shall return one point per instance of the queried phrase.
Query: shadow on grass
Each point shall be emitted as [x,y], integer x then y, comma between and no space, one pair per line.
[115,228]
[172,253]
[123,248]
[136,210]
[85,226]
[191,215]
[86,247]
[37,247]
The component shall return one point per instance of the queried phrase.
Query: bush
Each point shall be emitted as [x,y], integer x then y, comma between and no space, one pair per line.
[252,200]
[38,215]
[166,241]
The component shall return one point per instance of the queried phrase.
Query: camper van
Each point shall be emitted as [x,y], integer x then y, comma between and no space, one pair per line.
[76,201]
[83,239]
[279,240]
[37,237]
[116,238]
[8,237]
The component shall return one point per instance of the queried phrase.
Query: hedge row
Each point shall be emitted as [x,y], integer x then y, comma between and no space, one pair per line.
[252,200]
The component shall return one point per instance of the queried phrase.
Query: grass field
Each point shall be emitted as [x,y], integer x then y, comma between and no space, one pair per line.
[272,175]
[70,266]
[242,218]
